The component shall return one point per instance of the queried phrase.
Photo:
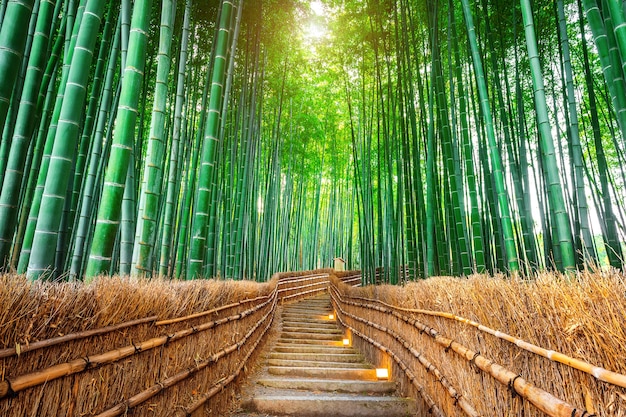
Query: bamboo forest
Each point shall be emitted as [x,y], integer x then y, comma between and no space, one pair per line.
[237,139]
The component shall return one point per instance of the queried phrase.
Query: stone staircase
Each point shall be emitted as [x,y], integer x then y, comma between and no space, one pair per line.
[310,373]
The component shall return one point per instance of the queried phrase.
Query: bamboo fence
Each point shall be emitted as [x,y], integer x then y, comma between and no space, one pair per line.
[121,345]
[498,374]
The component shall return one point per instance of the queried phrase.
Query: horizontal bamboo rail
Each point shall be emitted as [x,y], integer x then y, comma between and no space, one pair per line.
[304,293]
[289,279]
[212,311]
[459,400]
[14,351]
[22,382]
[303,286]
[597,372]
[541,399]
[145,395]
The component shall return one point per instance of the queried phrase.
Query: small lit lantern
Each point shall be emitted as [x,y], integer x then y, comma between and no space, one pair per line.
[331,316]
[346,342]
[382,373]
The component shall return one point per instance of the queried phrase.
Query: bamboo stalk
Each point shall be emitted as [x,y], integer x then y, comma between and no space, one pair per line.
[4,353]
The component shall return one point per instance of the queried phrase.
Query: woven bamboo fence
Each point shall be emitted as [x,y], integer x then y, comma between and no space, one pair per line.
[472,367]
[118,346]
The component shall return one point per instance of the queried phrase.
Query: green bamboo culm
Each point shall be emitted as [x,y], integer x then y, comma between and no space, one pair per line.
[109,213]
[207,163]
[167,239]
[24,127]
[64,147]
[557,203]
[150,196]
[12,43]
[494,153]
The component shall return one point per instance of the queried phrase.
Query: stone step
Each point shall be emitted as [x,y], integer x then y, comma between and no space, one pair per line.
[322,405]
[316,318]
[304,325]
[310,342]
[304,306]
[327,373]
[311,348]
[332,357]
[330,385]
[311,330]
[309,336]
[316,364]
[305,322]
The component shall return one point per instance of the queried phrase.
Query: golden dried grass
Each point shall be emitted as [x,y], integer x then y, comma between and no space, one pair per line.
[582,317]
[34,311]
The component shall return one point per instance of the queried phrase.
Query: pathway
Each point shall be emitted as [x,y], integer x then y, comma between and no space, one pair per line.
[309,372]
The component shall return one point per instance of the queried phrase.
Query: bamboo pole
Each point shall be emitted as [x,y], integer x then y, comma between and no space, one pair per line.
[220,385]
[5,353]
[432,406]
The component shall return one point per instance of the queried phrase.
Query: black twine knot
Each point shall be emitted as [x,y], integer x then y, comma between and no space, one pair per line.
[473,362]
[511,384]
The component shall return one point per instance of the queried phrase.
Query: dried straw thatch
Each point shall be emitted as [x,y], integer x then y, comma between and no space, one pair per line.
[31,312]
[581,317]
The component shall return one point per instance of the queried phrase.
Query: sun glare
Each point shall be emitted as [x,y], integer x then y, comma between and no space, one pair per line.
[315,28]
[315,31]
[317,7]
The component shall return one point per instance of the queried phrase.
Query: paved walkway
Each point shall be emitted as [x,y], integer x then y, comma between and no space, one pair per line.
[309,373]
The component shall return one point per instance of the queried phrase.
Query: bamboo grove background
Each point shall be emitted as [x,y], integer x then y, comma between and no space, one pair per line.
[228,138]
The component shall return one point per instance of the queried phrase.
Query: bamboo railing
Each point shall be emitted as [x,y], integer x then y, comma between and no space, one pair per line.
[232,332]
[514,383]
[597,372]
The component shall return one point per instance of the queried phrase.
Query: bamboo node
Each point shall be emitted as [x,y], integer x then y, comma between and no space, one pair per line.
[167,339]
[137,348]
[447,349]
[473,362]
[87,362]
[511,385]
